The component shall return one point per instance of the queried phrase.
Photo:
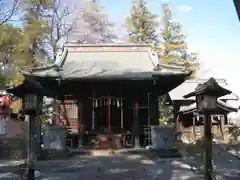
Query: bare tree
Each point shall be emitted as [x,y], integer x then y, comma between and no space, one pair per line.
[60,24]
[8,9]
[91,25]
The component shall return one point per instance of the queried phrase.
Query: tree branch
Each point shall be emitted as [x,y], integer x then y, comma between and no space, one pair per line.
[8,8]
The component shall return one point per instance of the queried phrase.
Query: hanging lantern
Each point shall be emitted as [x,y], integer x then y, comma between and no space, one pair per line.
[118,103]
[96,103]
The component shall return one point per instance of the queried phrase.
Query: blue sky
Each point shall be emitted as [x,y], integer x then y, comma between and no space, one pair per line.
[212,29]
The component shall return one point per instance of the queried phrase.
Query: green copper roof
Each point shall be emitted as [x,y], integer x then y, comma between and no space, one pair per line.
[125,61]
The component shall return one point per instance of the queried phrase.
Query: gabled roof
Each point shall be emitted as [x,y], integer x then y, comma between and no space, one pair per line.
[190,85]
[102,61]
[193,107]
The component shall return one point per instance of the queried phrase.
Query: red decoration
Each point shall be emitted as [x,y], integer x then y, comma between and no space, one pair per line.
[4,100]
[5,106]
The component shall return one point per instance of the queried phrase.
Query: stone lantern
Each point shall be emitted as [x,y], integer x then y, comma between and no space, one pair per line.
[31,93]
[207,94]
[206,100]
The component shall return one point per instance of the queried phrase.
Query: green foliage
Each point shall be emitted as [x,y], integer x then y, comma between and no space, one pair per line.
[3,80]
[10,37]
[175,46]
[165,110]
[164,120]
[35,31]
[141,24]
[23,47]
[44,118]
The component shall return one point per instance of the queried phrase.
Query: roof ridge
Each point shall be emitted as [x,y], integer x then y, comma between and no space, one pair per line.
[106,45]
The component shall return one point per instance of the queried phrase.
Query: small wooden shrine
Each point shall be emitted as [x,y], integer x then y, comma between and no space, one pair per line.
[191,125]
[107,90]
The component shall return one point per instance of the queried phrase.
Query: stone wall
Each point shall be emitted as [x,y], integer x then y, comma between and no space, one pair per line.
[13,144]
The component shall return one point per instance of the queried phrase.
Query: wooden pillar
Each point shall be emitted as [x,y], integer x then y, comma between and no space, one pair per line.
[121,106]
[109,112]
[176,108]
[154,108]
[38,137]
[55,109]
[93,111]
[149,119]
[222,124]
[38,129]
[194,129]
[136,132]
[80,123]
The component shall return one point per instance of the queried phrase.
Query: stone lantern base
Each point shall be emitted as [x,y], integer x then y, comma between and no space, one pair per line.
[164,141]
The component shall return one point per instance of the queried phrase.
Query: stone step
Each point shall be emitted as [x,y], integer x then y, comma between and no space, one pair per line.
[93,152]
[165,153]
[101,152]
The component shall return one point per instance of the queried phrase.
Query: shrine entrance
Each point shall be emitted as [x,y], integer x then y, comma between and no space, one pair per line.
[107,114]
[114,114]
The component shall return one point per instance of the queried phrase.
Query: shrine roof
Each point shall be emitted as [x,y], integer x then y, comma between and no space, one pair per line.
[190,85]
[103,61]
[193,107]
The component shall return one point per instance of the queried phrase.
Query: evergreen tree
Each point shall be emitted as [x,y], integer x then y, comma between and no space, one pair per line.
[174,53]
[141,24]
[175,50]
[23,47]
[10,37]
[35,32]
[92,25]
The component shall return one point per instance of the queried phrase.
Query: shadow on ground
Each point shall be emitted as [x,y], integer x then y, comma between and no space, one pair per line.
[134,165]
[226,165]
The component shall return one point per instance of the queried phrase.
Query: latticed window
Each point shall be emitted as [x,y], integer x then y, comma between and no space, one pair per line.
[69,110]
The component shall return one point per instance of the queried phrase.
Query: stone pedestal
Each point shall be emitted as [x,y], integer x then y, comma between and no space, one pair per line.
[163,136]
[54,142]
[164,141]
